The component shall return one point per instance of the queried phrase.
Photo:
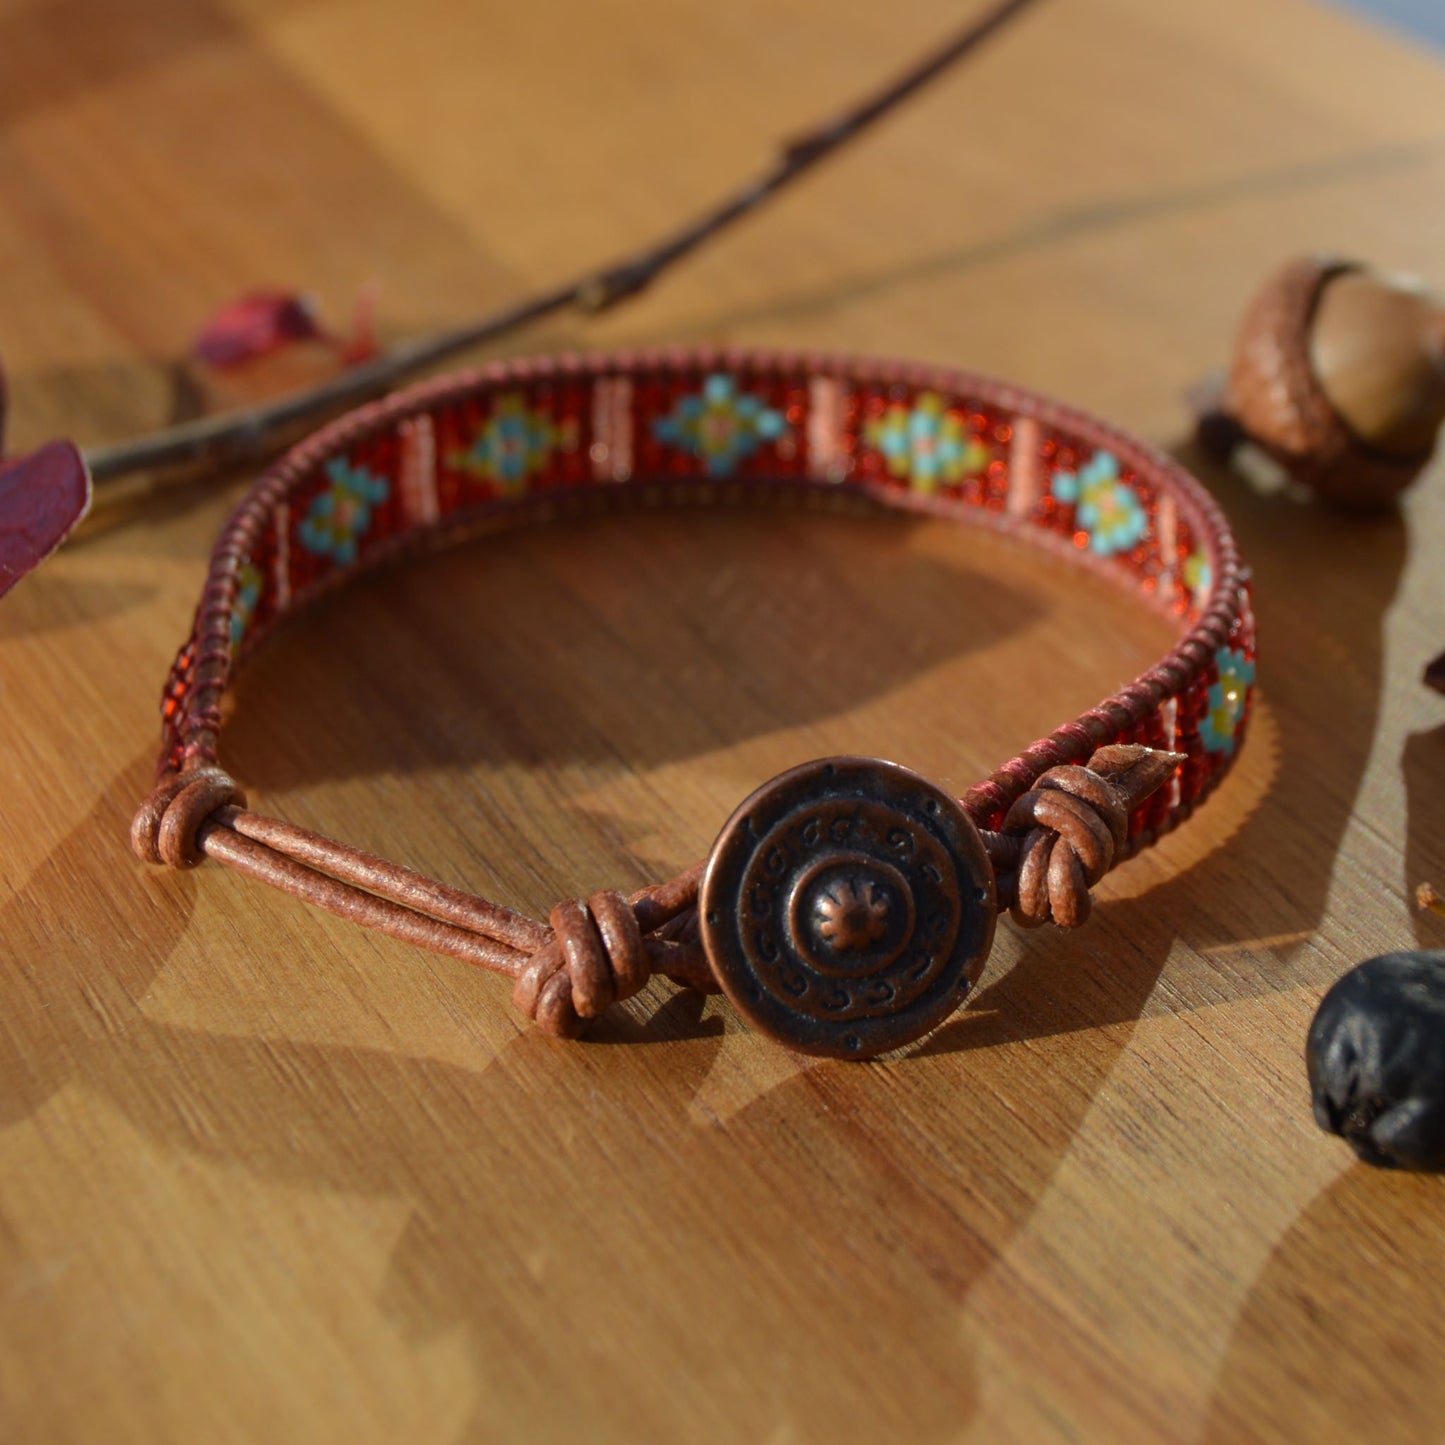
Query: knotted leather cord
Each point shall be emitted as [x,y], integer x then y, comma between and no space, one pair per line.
[1059,825]
[1064,834]
[592,955]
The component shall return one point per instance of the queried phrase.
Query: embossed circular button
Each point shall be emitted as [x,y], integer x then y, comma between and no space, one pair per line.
[850,914]
[848,906]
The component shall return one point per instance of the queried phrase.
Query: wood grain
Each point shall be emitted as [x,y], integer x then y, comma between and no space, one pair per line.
[266,1176]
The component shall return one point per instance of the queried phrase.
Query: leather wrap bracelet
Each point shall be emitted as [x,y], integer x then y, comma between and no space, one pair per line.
[848,905]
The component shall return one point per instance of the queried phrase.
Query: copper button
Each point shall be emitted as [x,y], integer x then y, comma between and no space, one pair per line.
[847,907]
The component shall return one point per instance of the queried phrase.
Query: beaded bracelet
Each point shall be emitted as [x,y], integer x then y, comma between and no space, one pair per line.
[848,905]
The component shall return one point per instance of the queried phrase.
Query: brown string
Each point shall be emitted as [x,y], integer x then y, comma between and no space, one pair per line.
[167,827]
[592,955]
[1069,829]
[391,880]
[1058,839]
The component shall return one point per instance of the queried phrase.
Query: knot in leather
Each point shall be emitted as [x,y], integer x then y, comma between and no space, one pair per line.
[1075,822]
[595,957]
[166,829]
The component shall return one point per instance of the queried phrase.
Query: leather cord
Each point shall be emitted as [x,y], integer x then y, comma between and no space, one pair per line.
[1061,837]
[588,956]
[1057,842]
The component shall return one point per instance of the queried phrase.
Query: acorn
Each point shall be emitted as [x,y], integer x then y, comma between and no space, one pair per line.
[1339,377]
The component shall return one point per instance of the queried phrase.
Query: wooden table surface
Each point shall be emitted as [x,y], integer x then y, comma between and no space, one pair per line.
[266,1176]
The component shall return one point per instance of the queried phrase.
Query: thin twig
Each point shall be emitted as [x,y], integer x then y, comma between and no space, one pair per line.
[247,433]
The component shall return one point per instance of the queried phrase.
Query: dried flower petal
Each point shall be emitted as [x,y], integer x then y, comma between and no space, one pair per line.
[362,344]
[255,324]
[42,497]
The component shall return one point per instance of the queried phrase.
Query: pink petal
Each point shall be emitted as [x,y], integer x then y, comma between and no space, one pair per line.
[257,323]
[42,497]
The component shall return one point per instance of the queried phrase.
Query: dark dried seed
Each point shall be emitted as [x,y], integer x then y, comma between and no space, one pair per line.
[1376,1057]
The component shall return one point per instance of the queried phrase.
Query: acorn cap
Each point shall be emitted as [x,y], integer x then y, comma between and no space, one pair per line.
[1339,375]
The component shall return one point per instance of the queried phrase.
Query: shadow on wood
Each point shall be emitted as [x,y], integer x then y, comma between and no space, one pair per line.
[1328,1311]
